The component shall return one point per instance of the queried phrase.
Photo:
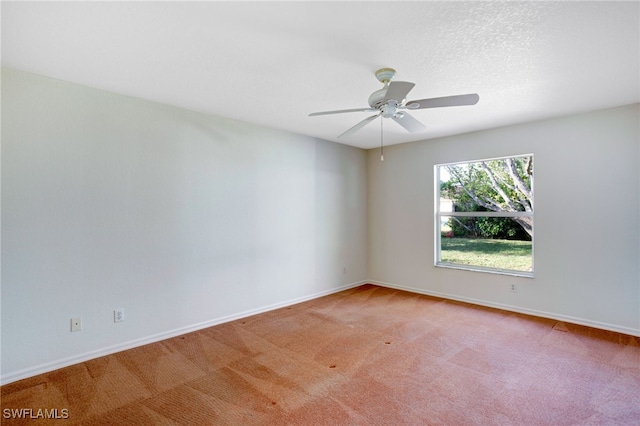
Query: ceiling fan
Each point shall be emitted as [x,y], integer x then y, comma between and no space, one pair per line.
[389,102]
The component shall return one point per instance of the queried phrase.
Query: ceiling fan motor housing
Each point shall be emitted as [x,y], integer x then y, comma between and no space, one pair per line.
[376,100]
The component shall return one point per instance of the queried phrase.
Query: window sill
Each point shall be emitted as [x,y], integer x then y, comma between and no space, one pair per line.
[523,274]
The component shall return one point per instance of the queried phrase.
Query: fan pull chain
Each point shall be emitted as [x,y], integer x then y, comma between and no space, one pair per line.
[381,140]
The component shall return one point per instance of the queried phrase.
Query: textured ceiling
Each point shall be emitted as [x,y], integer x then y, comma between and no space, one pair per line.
[272,63]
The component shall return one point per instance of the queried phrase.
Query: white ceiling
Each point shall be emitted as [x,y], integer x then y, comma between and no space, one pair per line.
[272,63]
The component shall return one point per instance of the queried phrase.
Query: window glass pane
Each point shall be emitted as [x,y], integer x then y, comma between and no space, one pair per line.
[486,242]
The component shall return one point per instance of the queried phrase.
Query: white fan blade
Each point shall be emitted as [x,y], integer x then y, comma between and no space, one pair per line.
[446,101]
[408,122]
[397,91]
[341,111]
[359,126]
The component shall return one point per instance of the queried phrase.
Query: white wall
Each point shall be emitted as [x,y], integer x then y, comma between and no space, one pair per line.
[186,220]
[182,219]
[587,205]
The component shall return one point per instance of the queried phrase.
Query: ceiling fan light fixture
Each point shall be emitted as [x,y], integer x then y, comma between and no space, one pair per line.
[389,109]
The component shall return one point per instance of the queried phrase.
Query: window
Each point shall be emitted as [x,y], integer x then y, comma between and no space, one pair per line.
[484,215]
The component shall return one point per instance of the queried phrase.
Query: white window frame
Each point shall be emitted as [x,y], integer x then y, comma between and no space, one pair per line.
[438,217]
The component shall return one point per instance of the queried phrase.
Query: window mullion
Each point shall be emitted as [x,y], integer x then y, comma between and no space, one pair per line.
[489,214]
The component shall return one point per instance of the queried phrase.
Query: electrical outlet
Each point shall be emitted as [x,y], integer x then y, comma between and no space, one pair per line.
[513,287]
[118,315]
[76,324]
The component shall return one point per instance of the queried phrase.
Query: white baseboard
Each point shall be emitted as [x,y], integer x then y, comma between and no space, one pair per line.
[533,312]
[76,359]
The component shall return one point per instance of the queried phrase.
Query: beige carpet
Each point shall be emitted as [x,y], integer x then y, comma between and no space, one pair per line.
[365,356]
